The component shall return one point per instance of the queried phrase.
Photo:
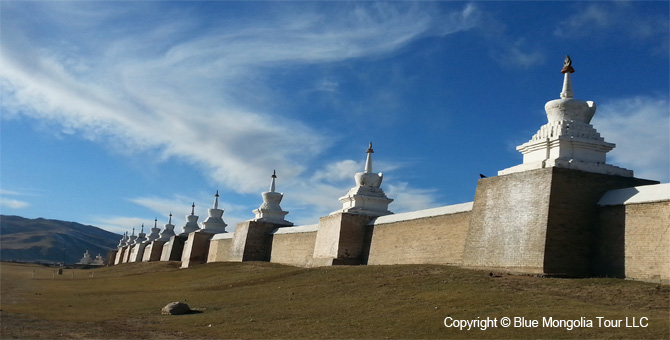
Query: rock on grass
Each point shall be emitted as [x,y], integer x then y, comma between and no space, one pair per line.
[176,308]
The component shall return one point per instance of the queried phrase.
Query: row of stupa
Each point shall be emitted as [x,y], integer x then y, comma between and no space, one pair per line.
[366,198]
[542,216]
[567,140]
[88,260]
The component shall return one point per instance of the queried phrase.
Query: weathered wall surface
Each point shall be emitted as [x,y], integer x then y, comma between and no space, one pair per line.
[252,241]
[634,233]
[173,249]
[120,255]
[570,247]
[153,251]
[110,259]
[196,249]
[539,221]
[647,241]
[508,224]
[219,248]
[429,236]
[341,239]
[294,245]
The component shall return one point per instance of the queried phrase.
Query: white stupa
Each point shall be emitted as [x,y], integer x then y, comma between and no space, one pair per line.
[131,238]
[366,198]
[98,261]
[568,140]
[214,223]
[168,231]
[191,222]
[86,259]
[141,237]
[124,241]
[270,211]
[155,232]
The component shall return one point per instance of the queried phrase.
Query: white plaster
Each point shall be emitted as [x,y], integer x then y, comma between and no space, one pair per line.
[366,198]
[270,210]
[298,229]
[86,259]
[223,236]
[214,223]
[191,224]
[155,233]
[413,215]
[641,194]
[124,241]
[167,233]
[568,140]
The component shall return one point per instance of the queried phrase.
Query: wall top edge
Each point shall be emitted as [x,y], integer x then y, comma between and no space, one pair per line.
[297,229]
[413,215]
[633,195]
[222,236]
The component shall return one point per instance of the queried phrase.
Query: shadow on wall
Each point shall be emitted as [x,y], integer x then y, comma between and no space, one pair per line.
[611,242]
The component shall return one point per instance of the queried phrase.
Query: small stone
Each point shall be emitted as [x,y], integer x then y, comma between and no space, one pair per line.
[176,308]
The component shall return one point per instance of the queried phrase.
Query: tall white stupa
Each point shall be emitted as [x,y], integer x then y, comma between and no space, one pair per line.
[155,232]
[124,240]
[214,223]
[168,231]
[141,237]
[366,198]
[568,140]
[270,211]
[131,238]
[191,222]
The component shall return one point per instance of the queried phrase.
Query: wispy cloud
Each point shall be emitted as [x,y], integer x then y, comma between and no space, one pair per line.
[194,94]
[593,19]
[640,127]
[13,203]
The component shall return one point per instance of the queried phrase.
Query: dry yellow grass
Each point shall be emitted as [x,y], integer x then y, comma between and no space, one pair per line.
[262,300]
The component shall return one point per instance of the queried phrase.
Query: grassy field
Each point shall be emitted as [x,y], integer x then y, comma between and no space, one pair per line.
[263,300]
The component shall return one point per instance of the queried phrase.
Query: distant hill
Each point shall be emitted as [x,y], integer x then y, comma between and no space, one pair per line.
[43,240]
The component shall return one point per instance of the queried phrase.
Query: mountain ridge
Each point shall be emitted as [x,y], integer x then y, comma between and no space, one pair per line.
[51,241]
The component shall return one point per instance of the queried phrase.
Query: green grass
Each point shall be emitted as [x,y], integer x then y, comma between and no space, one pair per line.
[263,300]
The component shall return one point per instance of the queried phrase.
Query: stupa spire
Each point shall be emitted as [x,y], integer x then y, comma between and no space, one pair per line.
[368,160]
[567,84]
[193,209]
[216,200]
[274,176]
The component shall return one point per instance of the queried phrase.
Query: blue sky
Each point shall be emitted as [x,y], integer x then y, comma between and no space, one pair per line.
[116,113]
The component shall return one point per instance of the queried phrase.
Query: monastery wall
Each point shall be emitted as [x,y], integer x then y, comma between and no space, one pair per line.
[426,236]
[220,248]
[634,233]
[563,212]
[294,245]
[507,215]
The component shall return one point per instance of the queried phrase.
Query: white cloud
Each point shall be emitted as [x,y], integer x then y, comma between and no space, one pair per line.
[192,96]
[588,21]
[640,128]
[10,203]
[407,198]
[518,55]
